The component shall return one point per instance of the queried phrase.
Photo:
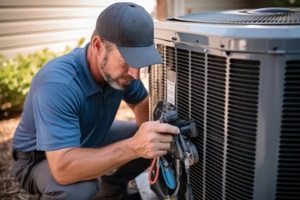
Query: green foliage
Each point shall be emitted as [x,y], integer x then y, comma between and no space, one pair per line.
[16,75]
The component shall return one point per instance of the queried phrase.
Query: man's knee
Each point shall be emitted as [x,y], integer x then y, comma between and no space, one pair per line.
[81,191]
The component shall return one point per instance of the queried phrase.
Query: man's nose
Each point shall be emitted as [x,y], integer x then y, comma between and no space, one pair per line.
[134,72]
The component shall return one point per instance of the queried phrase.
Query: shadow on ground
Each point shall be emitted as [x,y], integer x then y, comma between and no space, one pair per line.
[9,188]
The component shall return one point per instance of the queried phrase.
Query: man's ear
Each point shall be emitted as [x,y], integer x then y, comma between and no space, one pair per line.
[97,45]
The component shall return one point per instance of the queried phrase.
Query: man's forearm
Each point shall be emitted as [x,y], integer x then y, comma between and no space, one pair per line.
[71,165]
[78,164]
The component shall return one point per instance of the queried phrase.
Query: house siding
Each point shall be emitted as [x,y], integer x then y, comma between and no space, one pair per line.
[26,26]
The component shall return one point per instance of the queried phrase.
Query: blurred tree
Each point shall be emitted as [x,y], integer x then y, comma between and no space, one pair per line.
[285,3]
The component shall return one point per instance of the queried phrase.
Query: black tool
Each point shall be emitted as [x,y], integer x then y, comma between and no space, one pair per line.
[182,149]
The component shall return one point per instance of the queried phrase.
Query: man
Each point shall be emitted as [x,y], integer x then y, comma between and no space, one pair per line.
[67,136]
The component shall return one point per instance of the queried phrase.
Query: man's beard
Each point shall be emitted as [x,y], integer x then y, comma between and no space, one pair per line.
[116,82]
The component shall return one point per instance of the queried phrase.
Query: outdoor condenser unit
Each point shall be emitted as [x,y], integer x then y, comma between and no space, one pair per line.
[237,74]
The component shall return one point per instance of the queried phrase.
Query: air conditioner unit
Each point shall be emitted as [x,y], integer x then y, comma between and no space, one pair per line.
[237,74]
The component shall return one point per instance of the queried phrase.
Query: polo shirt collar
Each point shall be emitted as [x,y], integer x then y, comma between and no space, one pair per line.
[88,82]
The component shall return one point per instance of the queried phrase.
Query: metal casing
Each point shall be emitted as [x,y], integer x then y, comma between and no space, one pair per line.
[240,82]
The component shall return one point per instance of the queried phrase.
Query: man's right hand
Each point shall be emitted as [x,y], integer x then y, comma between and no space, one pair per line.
[70,165]
[152,139]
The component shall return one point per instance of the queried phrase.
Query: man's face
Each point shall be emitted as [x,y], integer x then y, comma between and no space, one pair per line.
[116,72]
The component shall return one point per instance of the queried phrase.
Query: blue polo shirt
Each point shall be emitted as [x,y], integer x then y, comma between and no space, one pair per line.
[65,107]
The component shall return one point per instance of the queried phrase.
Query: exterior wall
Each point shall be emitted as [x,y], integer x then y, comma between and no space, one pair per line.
[28,25]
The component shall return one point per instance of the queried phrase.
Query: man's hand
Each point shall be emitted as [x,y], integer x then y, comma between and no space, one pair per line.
[152,139]
[70,165]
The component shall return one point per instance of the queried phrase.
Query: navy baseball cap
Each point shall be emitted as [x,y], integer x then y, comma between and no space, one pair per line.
[130,27]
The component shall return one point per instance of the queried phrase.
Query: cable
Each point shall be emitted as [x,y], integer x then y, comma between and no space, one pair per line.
[189,191]
[159,187]
[167,173]
[154,170]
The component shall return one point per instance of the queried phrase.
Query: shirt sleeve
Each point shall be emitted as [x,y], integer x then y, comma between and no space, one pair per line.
[135,93]
[55,108]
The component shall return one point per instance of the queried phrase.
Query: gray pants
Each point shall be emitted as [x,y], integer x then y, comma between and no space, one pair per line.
[37,178]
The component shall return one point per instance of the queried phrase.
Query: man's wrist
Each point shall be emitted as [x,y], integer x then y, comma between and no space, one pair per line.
[130,148]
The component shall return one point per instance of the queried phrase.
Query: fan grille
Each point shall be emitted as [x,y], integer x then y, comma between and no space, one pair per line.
[268,16]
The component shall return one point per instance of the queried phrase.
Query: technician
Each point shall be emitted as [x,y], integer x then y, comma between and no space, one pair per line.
[67,137]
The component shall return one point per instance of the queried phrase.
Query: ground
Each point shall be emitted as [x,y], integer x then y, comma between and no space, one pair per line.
[9,188]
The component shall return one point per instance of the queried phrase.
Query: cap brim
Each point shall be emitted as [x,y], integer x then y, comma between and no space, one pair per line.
[139,57]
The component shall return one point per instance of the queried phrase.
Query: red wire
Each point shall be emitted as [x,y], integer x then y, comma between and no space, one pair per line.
[156,172]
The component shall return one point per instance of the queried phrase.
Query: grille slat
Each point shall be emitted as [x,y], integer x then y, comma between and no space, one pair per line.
[288,178]
[222,95]
[216,76]
[243,97]
[197,113]
[182,60]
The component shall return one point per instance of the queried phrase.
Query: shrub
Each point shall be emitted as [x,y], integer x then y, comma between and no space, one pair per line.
[16,75]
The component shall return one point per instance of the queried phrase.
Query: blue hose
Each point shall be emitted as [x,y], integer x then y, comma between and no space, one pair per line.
[168,175]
